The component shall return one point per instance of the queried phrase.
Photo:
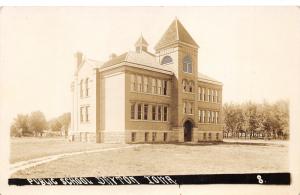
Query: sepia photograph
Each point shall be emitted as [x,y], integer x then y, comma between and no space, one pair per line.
[123,95]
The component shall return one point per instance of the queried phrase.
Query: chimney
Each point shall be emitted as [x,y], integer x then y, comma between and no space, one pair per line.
[79,58]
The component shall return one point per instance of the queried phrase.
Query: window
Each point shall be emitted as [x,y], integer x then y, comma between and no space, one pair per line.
[145,111]
[146,85]
[87,113]
[204,136]
[184,84]
[159,88]
[132,82]
[217,136]
[209,136]
[153,112]
[81,88]
[184,107]
[187,64]
[217,98]
[154,136]
[139,83]
[189,108]
[165,87]
[146,137]
[203,94]
[165,137]
[214,95]
[217,117]
[208,116]
[199,115]
[166,60]
[139,112]
[212,117]
[81,114]
[185,68]
[159,113]
[191,86]
[208,95]
[133,136]
[87,87]
[153,86]
[200,93]
[132,111]
[165,113]
[203,116]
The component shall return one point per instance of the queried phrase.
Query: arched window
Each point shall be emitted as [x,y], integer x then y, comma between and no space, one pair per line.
[166,60]
[87,87]
[187,64]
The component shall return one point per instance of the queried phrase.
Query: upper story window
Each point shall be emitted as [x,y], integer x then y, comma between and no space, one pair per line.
[81,88]
[184,84]
[87,87]
[165,87]
[132,111]
[159,87]
[216,93]
[154,87]
[132,82]
[146,85]
[187,64]
[188,108]
[139,83]
[87,113]
[208,95]
[81,114]
[166,60]
[191,86]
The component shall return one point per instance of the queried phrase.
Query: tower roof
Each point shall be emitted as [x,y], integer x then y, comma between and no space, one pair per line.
[175,33]
[141,41]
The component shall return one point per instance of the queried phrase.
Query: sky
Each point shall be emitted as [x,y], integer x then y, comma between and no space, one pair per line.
[253,51]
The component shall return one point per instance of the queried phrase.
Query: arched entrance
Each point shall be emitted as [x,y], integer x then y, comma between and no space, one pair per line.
[188,128]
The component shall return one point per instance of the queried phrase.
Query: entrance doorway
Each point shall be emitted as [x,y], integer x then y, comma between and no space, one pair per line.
[188,128]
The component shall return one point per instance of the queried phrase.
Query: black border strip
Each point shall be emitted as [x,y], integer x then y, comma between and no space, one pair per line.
[252,178]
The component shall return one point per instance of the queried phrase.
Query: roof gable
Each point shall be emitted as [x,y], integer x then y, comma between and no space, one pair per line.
[175,33]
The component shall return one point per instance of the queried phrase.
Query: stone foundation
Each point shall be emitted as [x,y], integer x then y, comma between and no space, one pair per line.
[82,137]
[148,136]
[207,136]
[111,137]
[176,135]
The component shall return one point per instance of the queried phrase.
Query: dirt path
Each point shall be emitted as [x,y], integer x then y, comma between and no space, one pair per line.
[37,161]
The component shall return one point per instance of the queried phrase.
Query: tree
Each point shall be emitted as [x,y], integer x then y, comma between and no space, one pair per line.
[20,126]
[54,125]
[65,120]
[37,122]
[253,119]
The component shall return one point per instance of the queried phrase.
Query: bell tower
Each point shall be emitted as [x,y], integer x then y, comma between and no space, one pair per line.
[141,45]
[178,50]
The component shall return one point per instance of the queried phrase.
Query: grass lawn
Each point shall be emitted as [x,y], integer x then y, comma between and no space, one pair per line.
[28,148]
[161,159]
